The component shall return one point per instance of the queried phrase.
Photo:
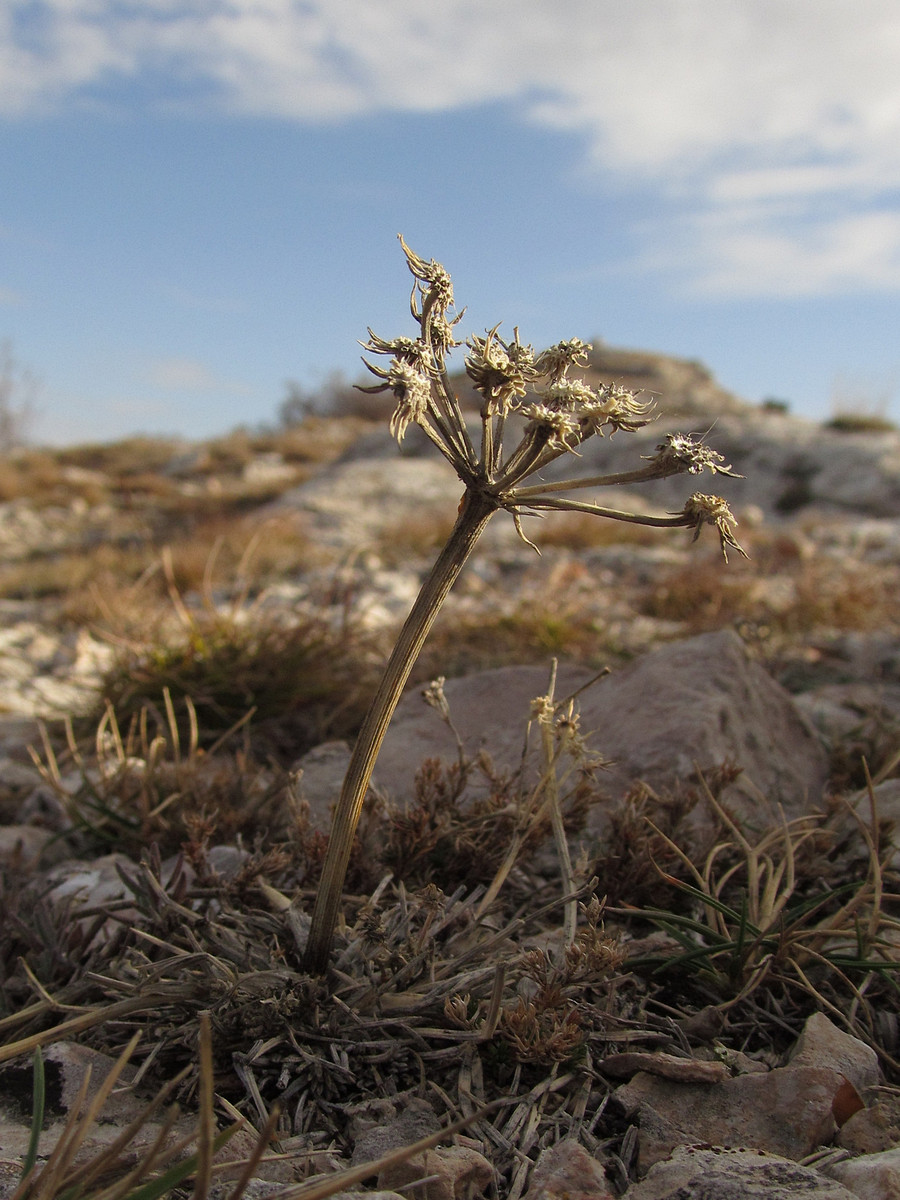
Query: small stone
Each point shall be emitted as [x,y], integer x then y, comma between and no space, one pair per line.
[869,1131]
[822,1044]
[786,1111]
[694,1173]
[416,1121]
[23,845]
[871,1176]
[461,1174]
[320,776]
[567,1172]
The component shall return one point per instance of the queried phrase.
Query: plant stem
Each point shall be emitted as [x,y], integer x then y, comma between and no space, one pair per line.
[475,512]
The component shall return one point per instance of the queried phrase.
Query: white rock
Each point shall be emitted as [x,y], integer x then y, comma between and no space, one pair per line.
[871,1176]
[823,1044]
[713,1173]
[697,701]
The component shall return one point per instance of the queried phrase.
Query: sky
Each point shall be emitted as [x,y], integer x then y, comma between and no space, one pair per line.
[199,199]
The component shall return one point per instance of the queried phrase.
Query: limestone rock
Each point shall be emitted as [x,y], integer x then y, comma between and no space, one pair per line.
[320,774]
[24,845]
[787,1111]
[461,1174]
[698,701]
[871,1176]
[871,1130]
[822,1044]
[414,1121]
[567,1172]
[695,1173]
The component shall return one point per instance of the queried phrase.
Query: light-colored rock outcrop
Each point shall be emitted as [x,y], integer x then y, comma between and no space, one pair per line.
[692,704]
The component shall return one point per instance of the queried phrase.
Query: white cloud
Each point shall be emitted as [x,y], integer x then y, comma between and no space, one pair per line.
[189,375]
[719,107]
[807,258]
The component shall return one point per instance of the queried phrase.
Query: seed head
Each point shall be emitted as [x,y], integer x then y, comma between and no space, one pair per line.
[561,429]
[437,287]
[618,408]
[712,510]
[681,452]
[555,362]
[413,392]
[498,375]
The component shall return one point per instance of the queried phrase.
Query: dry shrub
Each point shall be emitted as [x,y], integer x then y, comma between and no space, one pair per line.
[304,682]
[785,595]
[702,596]
[151,783]
[582,531]
[318,439]
[418,535]
[462,839]
[131,456]
[531,632]
[111,582]
[864,598]
[638,863]
[33,475]
[78,576]
[218,550]
[859,422]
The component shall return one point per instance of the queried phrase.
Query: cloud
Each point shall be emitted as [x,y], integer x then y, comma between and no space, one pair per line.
[738,254]
[722,109]
[189,375]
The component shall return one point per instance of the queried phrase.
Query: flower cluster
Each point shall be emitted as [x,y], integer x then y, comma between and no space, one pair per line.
[559,412]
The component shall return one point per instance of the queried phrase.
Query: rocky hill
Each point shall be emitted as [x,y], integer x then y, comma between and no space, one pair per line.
[191,634]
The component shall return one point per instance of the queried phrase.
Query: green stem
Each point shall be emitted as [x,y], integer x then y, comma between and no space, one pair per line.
[475,512]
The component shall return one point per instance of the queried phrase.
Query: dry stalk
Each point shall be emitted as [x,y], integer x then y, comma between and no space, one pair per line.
[560,413]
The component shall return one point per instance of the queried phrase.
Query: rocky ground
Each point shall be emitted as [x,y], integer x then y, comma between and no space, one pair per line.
[775,681]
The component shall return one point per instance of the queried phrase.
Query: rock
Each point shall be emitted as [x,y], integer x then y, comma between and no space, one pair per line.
[268,470]
[353,502]
[357,503]
[787,1111]
[697,701]
[368,1195]
[82,885]
[822,1044]
[710,1173]
[227,861]
[372,1141]
[14,774]
[461,1174]
[320,774]
[855,720]
[23,845]
[66,1065]
[567,1172]
[887,802]
[870,1177]
[871,1130]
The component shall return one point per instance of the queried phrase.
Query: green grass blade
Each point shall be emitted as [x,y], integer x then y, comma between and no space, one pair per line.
[39,1093]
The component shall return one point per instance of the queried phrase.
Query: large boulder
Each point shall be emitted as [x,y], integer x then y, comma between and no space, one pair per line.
[692,704]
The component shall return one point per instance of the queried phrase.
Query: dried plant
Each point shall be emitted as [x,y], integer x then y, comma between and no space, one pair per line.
[764,912]
[559,412]
[134,1166]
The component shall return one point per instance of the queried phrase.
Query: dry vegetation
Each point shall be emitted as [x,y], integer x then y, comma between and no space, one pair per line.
[452,980]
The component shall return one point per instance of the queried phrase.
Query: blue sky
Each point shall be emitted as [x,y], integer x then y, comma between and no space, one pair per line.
[200,198]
